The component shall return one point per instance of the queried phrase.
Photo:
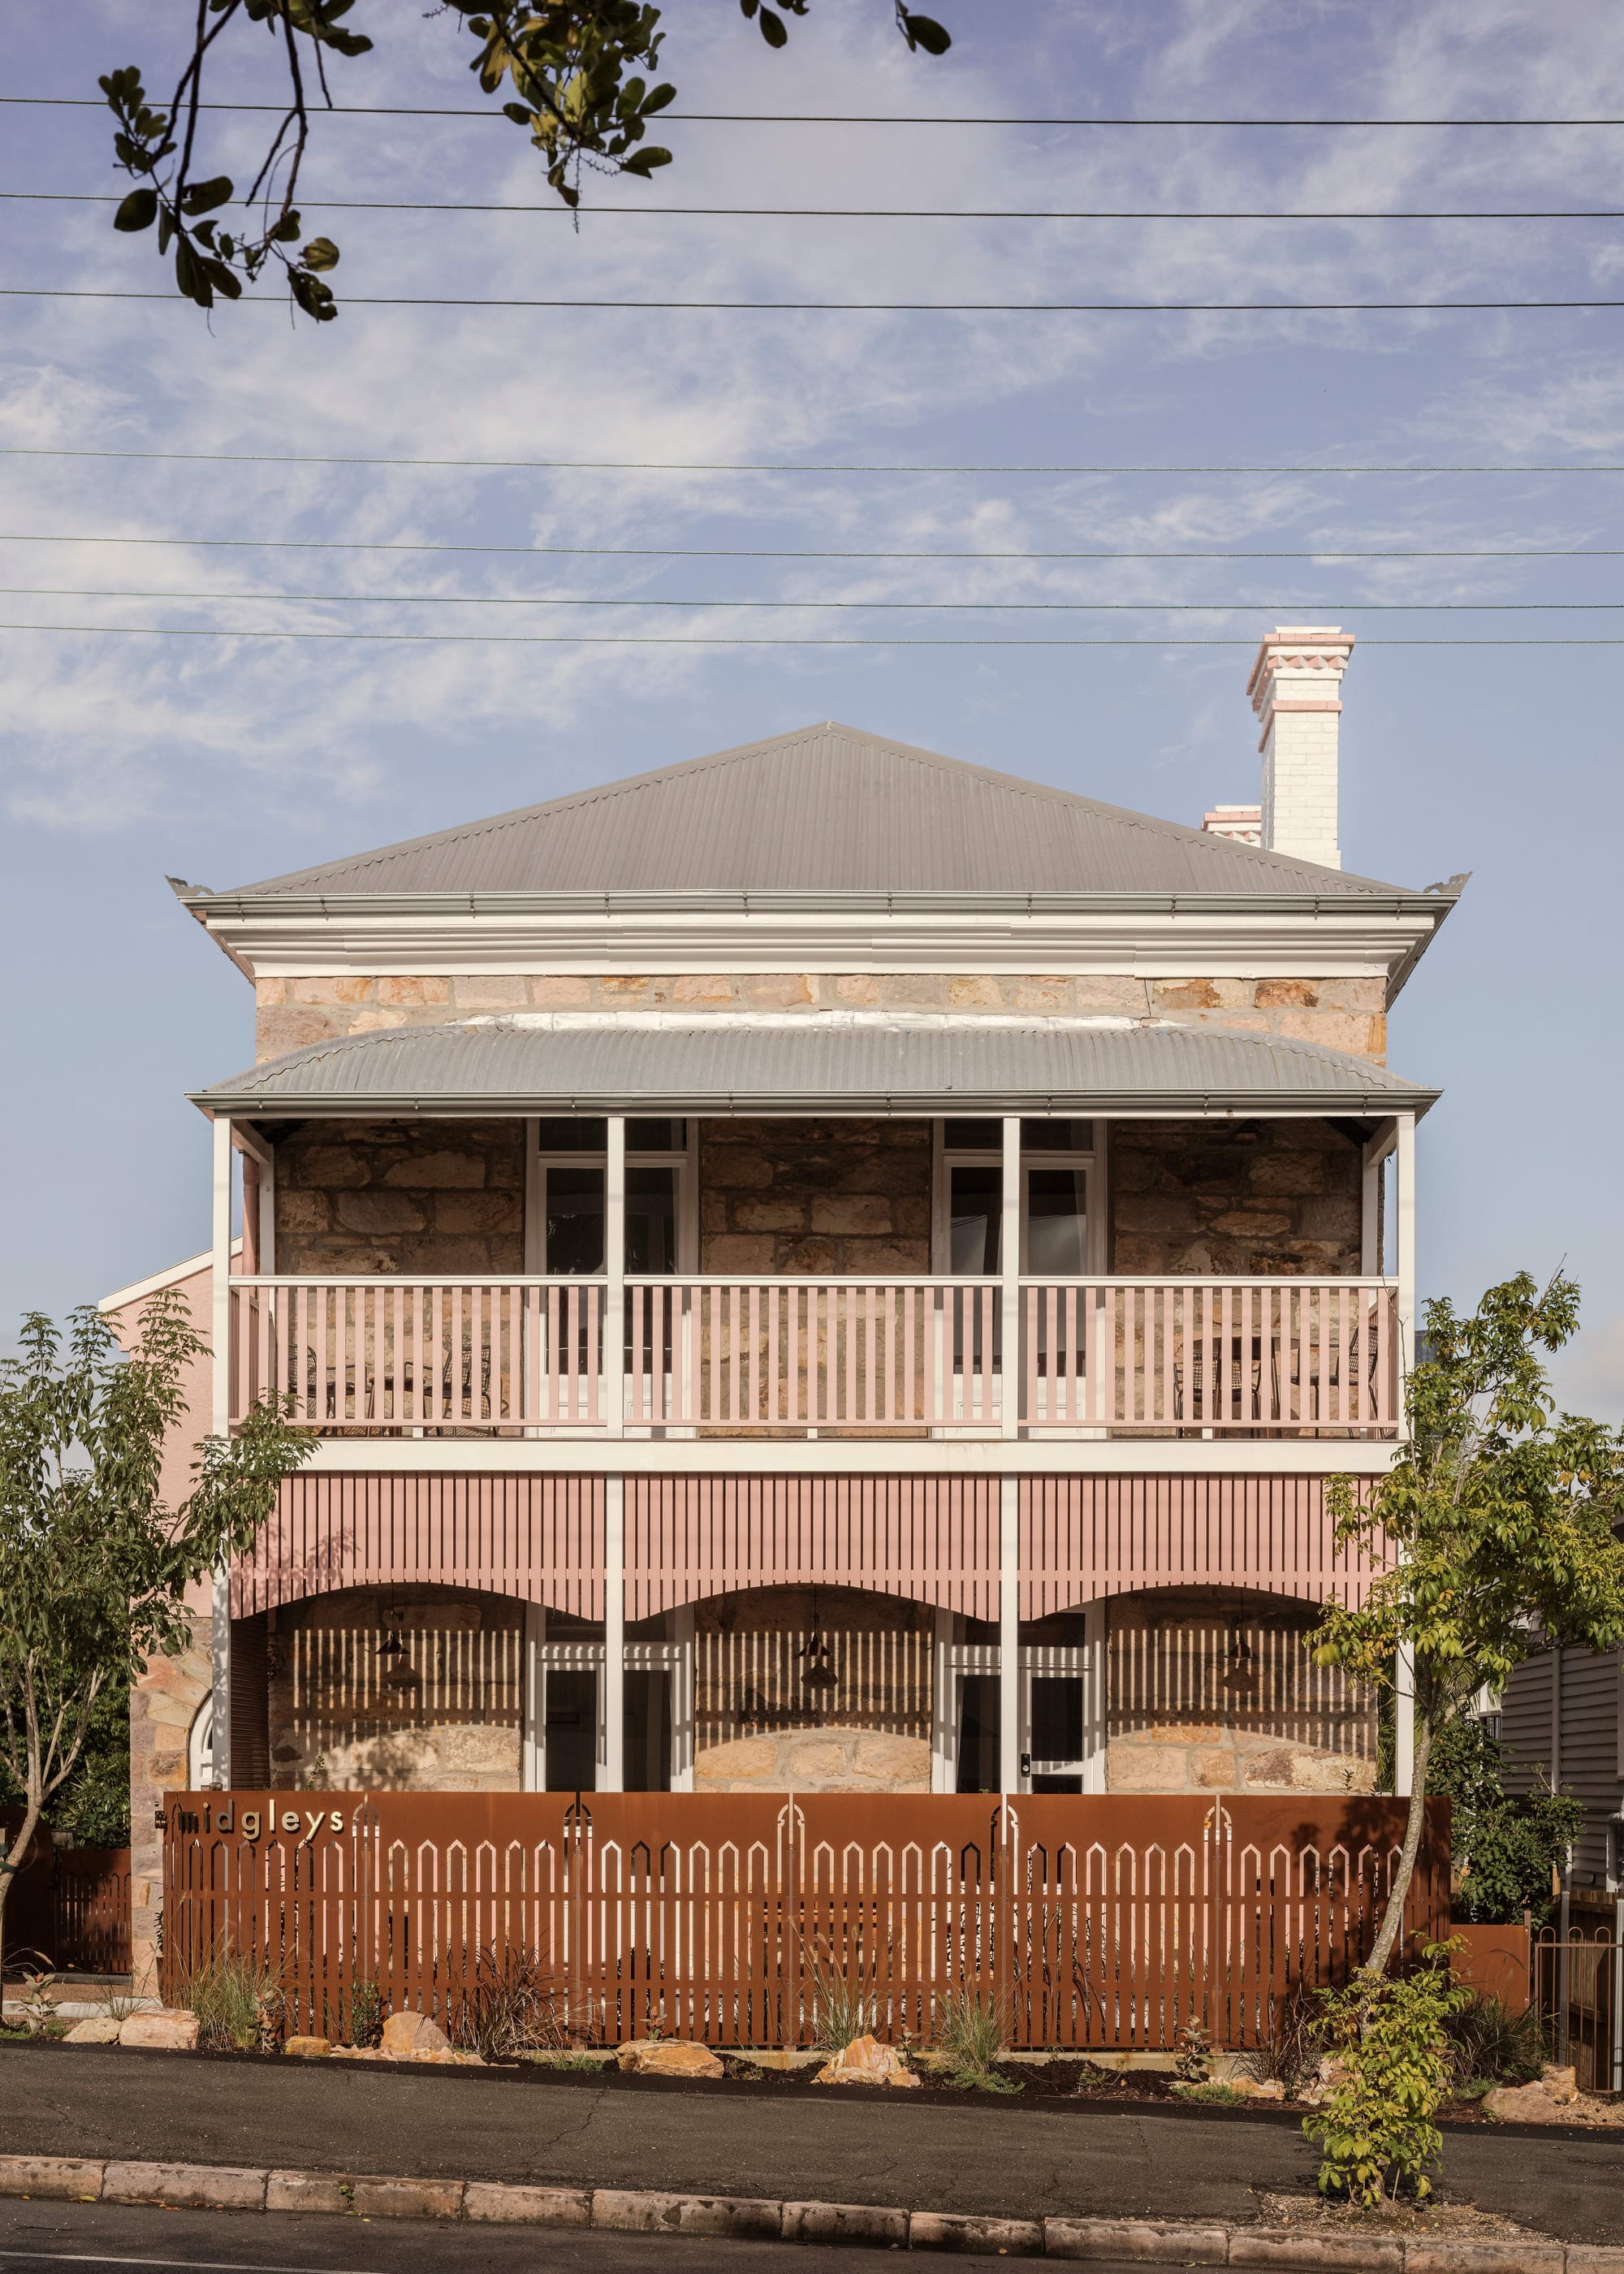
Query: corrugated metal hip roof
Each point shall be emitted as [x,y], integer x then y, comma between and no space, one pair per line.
[529,1065]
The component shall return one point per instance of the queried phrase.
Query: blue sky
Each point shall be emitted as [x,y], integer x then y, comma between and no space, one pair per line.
[123,759]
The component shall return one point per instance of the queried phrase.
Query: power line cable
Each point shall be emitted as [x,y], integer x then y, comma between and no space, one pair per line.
[872,307]
[749,465]
[797,553]
[848,212]
[649,639]
[827,119]
[972,607]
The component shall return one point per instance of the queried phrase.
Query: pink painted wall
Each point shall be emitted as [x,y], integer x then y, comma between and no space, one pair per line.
[1085,1537]
[927,1540]
[537,1538]
[932,1540]
[180,1449]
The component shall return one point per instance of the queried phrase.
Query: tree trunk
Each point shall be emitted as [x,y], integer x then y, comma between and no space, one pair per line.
[1393,1917]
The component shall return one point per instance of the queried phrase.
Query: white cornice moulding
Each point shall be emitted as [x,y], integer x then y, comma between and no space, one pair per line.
[1332,943]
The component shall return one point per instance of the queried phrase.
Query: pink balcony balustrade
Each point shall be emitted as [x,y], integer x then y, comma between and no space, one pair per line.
[1114,1356]
[382,1356]
[1211,1354]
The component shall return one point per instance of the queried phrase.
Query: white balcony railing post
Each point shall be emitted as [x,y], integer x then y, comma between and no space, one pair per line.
[1009,1273]
[614,1277]
[220,1423]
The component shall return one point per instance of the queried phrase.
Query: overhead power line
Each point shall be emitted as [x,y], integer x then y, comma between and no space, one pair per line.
[937,607]
[753,465]
[652,639]
[826,118]
[870,307]
[801,552]
[850,213]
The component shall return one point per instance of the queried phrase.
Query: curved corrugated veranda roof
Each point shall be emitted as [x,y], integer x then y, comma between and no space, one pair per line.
[536,1063]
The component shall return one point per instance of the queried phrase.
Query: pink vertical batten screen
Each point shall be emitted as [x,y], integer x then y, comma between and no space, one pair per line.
[933,1539]
[1085,1537]
[539,1538]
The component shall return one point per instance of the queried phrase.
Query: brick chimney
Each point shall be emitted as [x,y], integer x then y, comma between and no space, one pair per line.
[1295,690]
[1242,824]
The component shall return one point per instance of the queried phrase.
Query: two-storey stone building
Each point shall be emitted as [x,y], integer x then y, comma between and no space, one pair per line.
[820,1266]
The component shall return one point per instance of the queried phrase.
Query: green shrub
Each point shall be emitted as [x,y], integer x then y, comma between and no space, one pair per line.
[1376,2133]
[237,2000]
[970,2030]
[1192,2060]
[514,2005]
[1504,1844]
[1288,2047]
[1491,2044]
[841,2012]
[367,2013]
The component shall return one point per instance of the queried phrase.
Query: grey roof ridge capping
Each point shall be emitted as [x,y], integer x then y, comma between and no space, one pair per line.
[506,1067]
[826,816]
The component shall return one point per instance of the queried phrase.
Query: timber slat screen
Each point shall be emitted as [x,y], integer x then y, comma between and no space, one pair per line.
[1100,1922]
[1133,1357]
[1576,1985]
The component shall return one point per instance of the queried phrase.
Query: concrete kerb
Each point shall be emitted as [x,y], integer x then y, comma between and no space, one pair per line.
[630,2210]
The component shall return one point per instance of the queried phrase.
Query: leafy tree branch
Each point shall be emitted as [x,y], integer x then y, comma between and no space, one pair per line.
[95,1564]
[580,75]
[1499,1526]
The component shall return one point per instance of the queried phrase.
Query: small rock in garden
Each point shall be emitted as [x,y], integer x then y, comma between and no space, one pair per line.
[166,2032]
[865,2061]
[1561,2084]
[1269,2087]
[98,2030]
[1525,2103]
[668,2057]
[414,2033]
[307,2048]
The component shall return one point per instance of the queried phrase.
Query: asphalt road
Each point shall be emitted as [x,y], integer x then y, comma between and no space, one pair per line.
[48,2238]
[1022,2158]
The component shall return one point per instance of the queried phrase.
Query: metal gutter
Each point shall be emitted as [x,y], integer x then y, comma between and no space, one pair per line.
[204,905]
[1120,1104]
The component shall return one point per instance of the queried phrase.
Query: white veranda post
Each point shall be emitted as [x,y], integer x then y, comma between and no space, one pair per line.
[1010,1716]
[220,1423]
[1404,1209]
[613,1712]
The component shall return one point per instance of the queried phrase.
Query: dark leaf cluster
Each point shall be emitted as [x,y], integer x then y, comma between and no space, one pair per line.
[583,84]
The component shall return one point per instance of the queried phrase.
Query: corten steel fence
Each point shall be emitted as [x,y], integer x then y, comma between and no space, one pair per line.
[69,1908]
[1576,1985]
[1097,1922]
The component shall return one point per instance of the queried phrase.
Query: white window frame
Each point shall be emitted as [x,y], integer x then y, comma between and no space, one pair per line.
[946,1158]
[685,1161]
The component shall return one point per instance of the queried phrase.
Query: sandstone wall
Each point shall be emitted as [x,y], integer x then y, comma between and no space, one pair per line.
[1346,1014]
[824,1690]
[443,1714]
[401,1196]
[815,1196]
[1207,1693]
[162,1702]
[1234,1197]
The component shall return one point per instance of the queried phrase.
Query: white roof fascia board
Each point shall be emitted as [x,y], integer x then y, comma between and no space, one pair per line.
[172,1277]
[1339,943]
[955,1455]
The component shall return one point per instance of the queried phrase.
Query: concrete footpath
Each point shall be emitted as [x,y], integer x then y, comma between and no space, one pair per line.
[1000,2159]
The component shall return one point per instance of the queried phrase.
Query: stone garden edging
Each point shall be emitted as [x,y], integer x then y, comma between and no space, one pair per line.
[630,2210]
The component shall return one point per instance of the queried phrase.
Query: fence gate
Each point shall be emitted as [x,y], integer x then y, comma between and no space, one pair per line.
[1101,1921]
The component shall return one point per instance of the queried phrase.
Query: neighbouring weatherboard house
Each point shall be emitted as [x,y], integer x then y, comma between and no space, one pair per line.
[817,1268]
